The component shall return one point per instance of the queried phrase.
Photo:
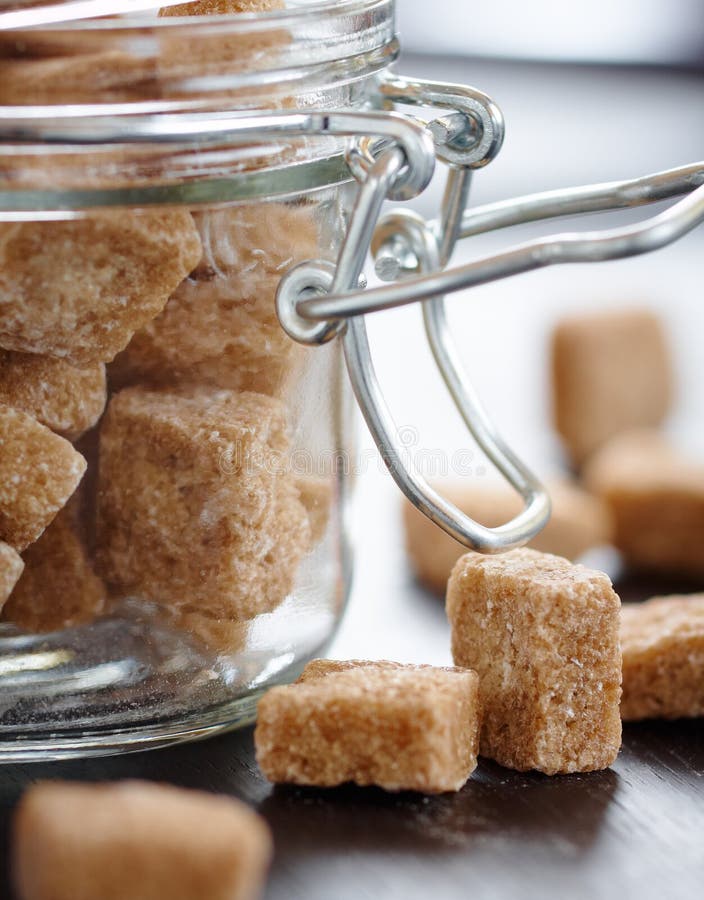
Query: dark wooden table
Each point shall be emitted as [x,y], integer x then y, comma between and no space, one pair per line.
[636,830]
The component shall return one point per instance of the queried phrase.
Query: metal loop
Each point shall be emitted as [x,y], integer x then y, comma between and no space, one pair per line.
[585,199]
[364,152]
[312,278]
[471,136]
[305,280]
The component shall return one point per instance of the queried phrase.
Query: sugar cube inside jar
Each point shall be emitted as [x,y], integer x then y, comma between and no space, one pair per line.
[172,503]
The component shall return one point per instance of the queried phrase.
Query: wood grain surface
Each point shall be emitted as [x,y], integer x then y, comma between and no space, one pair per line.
[636,830]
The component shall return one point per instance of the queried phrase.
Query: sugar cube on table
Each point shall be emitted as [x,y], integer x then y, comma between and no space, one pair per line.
[136,840]
[543,636]
[663,658]
[611,372]
[399,727]
[578,522]
[39,471]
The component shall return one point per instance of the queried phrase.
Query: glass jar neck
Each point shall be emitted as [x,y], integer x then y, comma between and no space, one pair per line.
[322,56]
[282,58]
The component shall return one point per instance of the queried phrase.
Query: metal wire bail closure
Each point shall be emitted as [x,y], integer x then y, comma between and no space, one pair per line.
[407,247]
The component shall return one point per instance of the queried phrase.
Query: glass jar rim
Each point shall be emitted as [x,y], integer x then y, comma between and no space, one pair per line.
[315,44]
[331,53]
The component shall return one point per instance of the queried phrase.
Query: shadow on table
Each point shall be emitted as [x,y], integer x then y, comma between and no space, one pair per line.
[495,801]
[676,748]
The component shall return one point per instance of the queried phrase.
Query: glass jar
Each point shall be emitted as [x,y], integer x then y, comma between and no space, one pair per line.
[185,545]
[186,206]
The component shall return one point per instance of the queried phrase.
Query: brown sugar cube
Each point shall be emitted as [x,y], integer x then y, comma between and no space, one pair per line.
[102,166]
[578,522]
[221,7]
[662,641]
[542,634]
[58,588]
[110,76]
[221,636]
[220,328]
[656,498]
[11,567]
[611,373]
[319,668]
[316,493]
[398,727]
[38,473]
[222,52]
[67,400]
[197,507]
[136,840]
[80,289]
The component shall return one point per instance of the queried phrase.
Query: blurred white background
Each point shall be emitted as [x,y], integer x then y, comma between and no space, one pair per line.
[632,31]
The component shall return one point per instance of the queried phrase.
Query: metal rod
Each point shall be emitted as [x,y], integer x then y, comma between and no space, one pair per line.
[454,203]
[584,199]
[383,428]
[90,126]
[433,248]
[585,247]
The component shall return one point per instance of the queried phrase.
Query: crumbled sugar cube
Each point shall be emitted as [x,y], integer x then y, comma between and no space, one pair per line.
[11,567]
[221,7]
[59,587]
[67,400]
[220,327]
[316,493]
[109,76]
[224,636]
